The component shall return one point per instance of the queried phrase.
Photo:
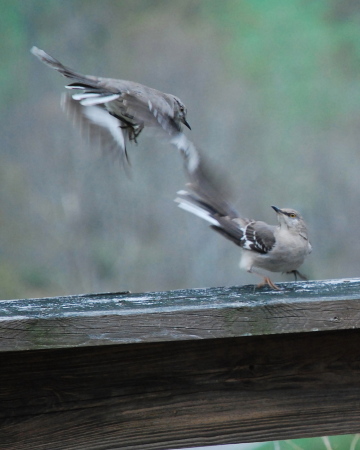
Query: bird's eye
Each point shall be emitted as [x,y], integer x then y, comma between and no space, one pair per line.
[292,215]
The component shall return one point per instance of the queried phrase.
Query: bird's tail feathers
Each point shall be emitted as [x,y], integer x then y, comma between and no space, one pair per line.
[219,223]
[188,203]
[86,80]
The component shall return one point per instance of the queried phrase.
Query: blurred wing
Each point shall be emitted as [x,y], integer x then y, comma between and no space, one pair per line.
[131,108]
[97,124]
[209,187]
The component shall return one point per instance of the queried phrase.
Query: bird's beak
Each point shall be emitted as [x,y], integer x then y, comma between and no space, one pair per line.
[186,123]
[277,210]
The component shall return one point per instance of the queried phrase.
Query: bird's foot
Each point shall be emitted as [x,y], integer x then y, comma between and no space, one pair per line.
[268,282]
[297,274]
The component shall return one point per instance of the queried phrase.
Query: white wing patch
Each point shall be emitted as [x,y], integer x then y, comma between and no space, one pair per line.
[103,119]
[246,243]
[250,240]
[83,95]
[91,99]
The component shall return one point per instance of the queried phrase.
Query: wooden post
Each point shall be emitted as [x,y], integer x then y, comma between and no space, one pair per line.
[180,369]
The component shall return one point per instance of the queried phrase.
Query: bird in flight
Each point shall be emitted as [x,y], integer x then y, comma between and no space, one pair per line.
[116,111]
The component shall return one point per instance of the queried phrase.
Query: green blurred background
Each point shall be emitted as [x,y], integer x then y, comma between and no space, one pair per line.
[347,442]
[273,93]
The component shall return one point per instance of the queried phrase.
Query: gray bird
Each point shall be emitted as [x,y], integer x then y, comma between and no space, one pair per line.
[116,111]
[282,248]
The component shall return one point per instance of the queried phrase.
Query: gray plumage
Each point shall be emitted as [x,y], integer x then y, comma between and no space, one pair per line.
[281,248]
[117,109]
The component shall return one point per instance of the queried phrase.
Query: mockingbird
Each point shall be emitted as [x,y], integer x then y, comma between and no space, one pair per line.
[270,248]
[117,110]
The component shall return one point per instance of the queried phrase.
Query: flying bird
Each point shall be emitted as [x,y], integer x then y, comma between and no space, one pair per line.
[116,111]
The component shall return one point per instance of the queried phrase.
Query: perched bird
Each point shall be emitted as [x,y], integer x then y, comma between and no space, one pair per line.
[265,247]
[116,111]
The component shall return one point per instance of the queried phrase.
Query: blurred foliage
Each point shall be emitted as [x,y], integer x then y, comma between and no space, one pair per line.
[301,57]
[273,93]
[13,37]
[297,53]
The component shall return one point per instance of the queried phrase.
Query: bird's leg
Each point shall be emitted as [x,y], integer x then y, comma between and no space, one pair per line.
[136,131]
[298,274]
[127,125]
[267,281]
[131,133]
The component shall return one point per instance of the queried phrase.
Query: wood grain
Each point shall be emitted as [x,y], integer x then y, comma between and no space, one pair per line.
[110,319]
[181,394]
[180,369]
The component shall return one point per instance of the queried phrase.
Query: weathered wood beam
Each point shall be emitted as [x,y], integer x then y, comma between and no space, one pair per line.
[118,318]
[180,369]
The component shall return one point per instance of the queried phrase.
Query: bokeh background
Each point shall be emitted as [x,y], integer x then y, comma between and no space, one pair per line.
[273,94]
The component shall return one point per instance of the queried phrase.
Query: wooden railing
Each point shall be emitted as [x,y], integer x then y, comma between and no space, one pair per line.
[180,369]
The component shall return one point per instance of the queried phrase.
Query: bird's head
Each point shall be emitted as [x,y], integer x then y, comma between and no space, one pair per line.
[289,217]
[180,112]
